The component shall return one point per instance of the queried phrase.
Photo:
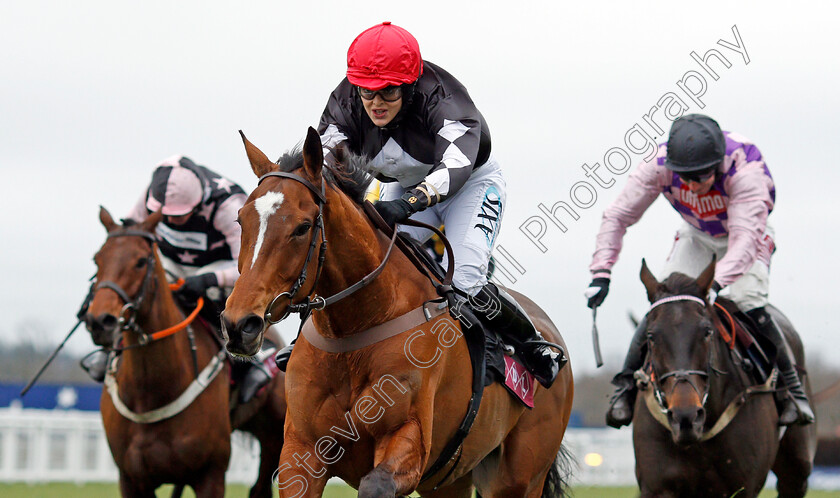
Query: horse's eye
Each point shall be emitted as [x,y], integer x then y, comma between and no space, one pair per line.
[709,332]
[302,229]
[140,263]
[238,221]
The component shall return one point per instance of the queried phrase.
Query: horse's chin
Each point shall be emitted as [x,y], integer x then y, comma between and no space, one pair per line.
[686,434]
[237,345]
[685,438]
[240,349]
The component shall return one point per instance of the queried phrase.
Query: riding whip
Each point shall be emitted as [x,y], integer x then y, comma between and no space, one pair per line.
[596,344]
[80,315]
[49,360]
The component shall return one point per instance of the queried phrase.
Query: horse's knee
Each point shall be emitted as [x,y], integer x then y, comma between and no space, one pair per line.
[378,483]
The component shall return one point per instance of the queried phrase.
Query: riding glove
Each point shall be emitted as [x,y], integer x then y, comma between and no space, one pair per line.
[714,290]
[597,291]
[399,210]
[197,285]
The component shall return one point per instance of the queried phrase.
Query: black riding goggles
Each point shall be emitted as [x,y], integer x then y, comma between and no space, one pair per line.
[388,94]
[697,176]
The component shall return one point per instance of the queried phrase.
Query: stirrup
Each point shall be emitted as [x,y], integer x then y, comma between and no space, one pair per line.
[95,364]
[255,378]
[281,359]
[620,412]
[543,363]
[795,411]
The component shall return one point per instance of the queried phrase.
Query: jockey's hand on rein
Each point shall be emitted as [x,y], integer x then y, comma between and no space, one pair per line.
[195,286]
[597,291]
[399,210]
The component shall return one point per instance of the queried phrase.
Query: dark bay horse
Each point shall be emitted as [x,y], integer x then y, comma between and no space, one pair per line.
[161,426]
[379,415]
[701,428]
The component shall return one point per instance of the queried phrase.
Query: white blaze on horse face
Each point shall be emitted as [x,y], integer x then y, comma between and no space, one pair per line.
[266,205]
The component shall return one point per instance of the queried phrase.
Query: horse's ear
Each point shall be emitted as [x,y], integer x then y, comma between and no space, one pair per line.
[151,222]
[107,220]
[313,154]
[651,284]
[707,277]
[260,163]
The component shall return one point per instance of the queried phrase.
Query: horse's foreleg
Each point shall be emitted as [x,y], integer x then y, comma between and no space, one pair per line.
[211,484]
[462,488]
[398,464]
[129,489]
[269,456]
[300,472]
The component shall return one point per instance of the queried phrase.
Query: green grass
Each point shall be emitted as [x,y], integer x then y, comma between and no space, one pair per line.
[69,490]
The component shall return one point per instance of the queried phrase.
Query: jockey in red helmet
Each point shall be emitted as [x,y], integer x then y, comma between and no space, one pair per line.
[430,147]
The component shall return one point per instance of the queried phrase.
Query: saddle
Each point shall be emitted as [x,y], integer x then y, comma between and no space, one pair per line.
[758,353]
[495,362]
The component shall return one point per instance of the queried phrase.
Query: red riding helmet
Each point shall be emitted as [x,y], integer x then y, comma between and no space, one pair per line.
[384,55]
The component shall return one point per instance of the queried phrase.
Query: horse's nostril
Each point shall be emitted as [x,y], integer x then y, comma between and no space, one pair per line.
[109,322]
[226,325]
[253,325]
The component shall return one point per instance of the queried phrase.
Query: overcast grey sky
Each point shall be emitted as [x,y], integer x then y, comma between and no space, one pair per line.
[95,93]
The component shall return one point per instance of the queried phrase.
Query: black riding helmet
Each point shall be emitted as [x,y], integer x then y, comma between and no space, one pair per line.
[695,144]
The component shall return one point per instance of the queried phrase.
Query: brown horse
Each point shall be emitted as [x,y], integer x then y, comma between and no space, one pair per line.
[377,416]
[701,428]
[161,426]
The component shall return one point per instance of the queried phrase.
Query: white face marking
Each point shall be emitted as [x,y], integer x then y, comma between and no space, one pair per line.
[266,206]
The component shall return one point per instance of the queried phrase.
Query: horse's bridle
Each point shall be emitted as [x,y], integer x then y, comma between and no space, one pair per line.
[128,312]
[679,375]
[307,304]
[305,307]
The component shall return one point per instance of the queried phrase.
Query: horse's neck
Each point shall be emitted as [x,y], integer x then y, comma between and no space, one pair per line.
[396,291]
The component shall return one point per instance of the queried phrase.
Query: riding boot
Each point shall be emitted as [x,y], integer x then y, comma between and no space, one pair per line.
[621,404]
[95,364]
[501,312]
[254,379]
[281,359]
[795,407]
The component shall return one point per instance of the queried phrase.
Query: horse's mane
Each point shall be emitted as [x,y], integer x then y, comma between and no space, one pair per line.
[345,170]
[678,283]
